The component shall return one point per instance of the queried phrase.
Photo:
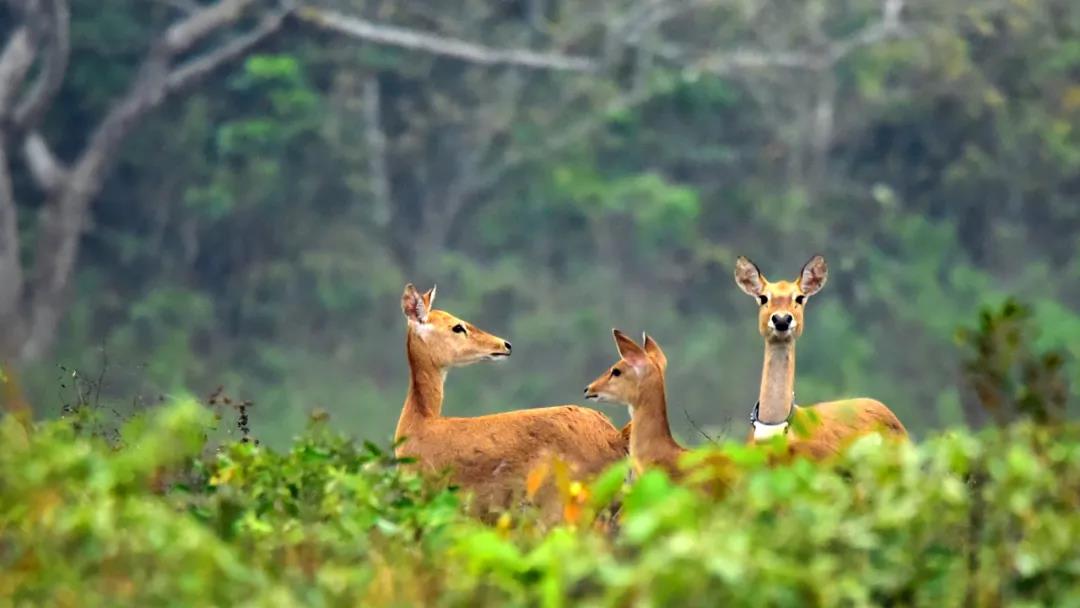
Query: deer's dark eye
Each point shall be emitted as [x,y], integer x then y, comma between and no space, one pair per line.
[616,372]
[799,299]
[459,329]
[764,299]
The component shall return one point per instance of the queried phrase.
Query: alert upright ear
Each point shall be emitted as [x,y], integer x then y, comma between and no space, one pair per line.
[629,350]
[653,350]
[748,277]
[429,297]
[413,305]
[813,276]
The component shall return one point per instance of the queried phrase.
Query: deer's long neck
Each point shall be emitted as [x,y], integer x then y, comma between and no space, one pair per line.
[425,397]
[650,436]
[777,382]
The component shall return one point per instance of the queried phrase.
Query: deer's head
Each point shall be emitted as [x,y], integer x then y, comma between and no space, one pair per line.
[781,304]
[443,339]
[639,369]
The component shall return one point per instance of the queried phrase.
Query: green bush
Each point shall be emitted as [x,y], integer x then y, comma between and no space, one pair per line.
[961,519]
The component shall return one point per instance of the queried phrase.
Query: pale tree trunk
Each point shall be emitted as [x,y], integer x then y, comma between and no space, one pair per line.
[33,291]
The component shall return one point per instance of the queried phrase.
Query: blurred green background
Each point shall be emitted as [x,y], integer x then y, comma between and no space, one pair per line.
[257,232]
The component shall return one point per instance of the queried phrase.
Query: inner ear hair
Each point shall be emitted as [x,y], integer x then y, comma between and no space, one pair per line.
[748,277]
[813,275]
[412,304]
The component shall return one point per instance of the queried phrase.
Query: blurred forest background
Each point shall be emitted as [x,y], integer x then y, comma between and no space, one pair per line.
[196,194]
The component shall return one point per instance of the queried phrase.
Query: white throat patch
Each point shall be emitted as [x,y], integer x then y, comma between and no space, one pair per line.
[764,431]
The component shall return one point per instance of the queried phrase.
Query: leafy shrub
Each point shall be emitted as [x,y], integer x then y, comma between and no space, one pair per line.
[1009,377]
[961,519]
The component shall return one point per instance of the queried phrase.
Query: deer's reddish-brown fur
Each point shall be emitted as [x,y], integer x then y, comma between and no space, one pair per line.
[488,456]
[637,381]
[780,322]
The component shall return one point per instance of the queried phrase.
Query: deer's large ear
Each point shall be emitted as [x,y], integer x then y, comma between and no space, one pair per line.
[413,305]
[748,277]
[813,276]
[653,350]
[629,350]
[429,297]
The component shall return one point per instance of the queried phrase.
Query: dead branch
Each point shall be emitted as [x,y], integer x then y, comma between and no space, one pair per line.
[183,35]
[435,44]
[196,69]
[48,172]
[15,62]
[888,27]
[51,74]
[33,307]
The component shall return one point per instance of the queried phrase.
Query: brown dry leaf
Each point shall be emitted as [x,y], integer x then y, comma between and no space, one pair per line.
[536,477]
[572,512]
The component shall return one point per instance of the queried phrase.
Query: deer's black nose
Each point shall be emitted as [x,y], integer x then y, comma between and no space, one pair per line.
[508,346]
[781,322]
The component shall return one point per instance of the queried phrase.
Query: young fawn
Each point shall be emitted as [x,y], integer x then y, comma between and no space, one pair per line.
[490,456]
[780,321]
[637,381]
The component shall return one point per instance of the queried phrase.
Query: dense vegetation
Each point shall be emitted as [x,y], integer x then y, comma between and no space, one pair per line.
[959,520]
[258,230]
[180,505]
[252,231]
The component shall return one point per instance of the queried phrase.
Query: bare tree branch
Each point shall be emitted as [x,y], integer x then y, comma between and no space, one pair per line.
[48,172]
[889,27]
[492,126]
[697,427]
[155,82]
[441,45]
[196,69]
[181,36]
[15,62]
[640,20]
[62,218]
[746,59]
[51,75]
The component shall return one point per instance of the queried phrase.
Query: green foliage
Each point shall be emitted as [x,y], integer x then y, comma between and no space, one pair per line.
[960,520]
[80,519]
[1010,378]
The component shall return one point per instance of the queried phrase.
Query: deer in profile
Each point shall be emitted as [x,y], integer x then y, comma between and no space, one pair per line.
[637,381]
[489,456]
[781,321]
